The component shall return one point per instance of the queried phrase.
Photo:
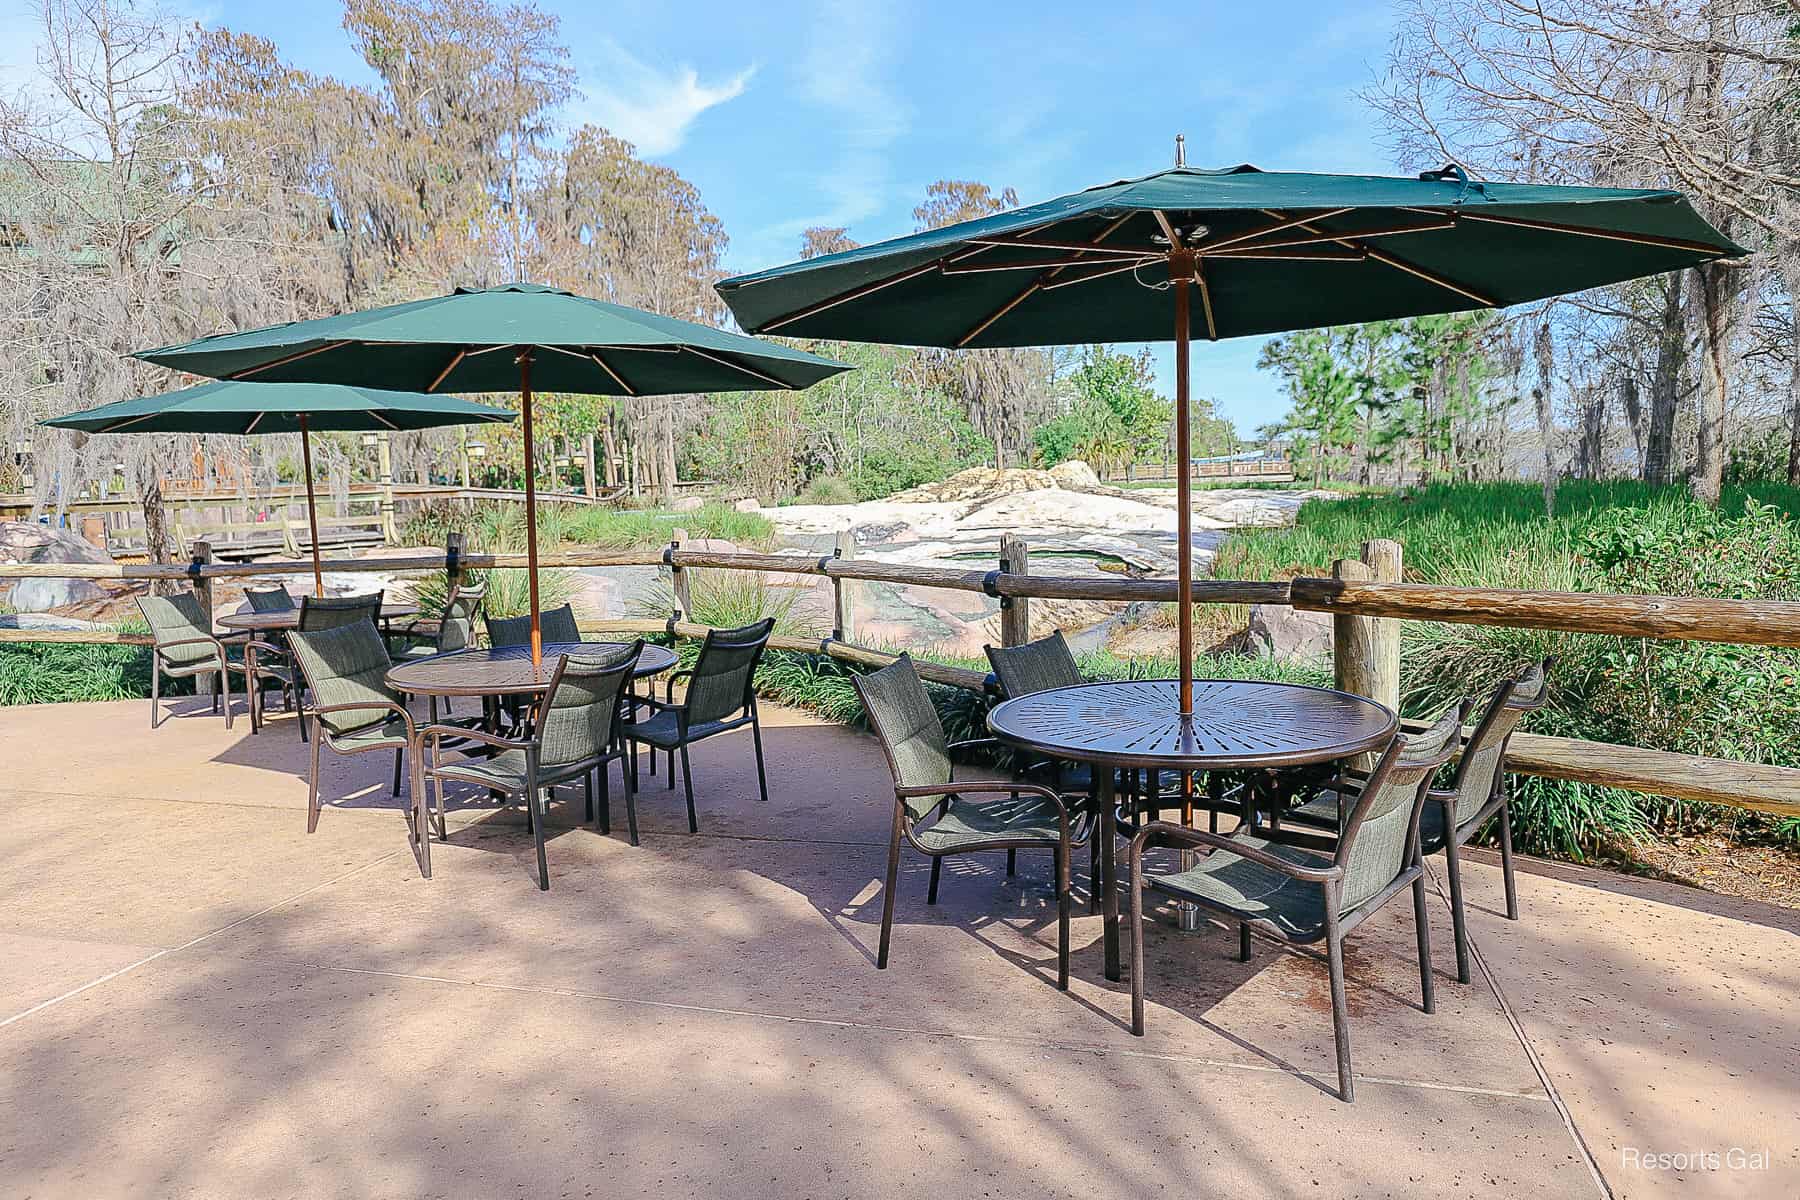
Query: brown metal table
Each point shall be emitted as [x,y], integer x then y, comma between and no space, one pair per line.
[1236,725]
[507,670]
[285,620]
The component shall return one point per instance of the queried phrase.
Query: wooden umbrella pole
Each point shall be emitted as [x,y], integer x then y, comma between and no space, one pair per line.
[531,554]
[312,506]
[1181,275]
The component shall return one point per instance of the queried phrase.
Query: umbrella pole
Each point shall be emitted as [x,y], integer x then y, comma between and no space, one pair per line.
[531,555]
[312,508]
[1181,274]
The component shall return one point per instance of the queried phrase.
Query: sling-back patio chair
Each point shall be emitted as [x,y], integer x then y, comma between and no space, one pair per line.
[554,625]
[454,630]
[356,712]
[939,815]
[1478,792]
[1042,666]
[318,613]
[574,735]
[186,646]
[721,696]
[1301,896]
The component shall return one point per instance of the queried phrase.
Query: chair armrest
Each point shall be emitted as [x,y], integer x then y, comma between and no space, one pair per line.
[659,705]
[192,641]
[971,743]
[989,786]
[271,647]
[669,691]
[1164,833]
[412,732]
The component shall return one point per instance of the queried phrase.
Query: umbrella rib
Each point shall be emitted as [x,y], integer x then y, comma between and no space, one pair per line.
[1093,275]
[1400,264]
[616,377]
[1078,247]
[254,422]
[269,366]
[1287,223]
[1640,239]
[726,362]
[866,289]
[455,362]
[383,420]
[1044,281]
[1315,239]
[1212,330]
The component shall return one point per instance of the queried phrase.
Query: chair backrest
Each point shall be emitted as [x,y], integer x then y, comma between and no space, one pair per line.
[269,599]
[555,625]
[907,724]
[1034,667]
[345,664]
[329,612]
[724,678]
[1381,834]
[579,718]
[177,618]
[457,629]
[1478,774]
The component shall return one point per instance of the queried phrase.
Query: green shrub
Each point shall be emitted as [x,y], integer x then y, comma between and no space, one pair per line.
[827,489]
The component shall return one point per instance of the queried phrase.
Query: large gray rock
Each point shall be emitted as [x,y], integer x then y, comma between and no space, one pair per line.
[1287,633]
[30,542]
[748,504]
[686,504]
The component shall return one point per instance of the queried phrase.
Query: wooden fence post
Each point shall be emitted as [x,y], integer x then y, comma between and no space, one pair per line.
[202,553]
[384,457]
[1015,611]
[843,617]
[684,600]
[1352,649]
[1384,558]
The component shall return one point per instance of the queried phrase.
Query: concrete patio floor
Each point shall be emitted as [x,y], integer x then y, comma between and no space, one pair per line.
[199,999]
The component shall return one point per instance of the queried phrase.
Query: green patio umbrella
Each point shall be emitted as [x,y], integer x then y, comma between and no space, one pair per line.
[1265,251]
[505,339]
[281,408]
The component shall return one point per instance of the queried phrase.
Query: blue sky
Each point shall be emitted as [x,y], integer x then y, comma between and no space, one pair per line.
[840,112]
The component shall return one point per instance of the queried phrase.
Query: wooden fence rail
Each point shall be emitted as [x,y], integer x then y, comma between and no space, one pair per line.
[1748,622]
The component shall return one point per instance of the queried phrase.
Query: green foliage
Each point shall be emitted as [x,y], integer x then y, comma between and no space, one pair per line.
[1692,697]
[828,489]
[499,524]
[63,673]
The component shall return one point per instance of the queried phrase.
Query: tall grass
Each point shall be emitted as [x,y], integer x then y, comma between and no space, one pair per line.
[559,525]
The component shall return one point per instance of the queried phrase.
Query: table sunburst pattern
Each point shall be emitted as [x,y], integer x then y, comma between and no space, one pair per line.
[1240,723]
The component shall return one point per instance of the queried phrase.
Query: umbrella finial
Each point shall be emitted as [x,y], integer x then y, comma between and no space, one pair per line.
[1181,150]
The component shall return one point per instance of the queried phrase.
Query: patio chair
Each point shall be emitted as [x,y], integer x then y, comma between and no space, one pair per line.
[555,625]
[1302,896]
[356,712]
[186,646]
[939,815]
[319,613]
[573,736]
[454,630]
[721,696]
[269,599]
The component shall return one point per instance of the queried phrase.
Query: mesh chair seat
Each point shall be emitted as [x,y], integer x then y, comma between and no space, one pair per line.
[1224,881]
[389,735]
[1028,818]
[663,729]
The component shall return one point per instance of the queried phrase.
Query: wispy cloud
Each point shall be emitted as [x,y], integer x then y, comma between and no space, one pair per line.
[652,107]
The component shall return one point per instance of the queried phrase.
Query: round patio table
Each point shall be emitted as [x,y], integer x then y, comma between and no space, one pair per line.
[284,620]
[1236,725]
[506,670]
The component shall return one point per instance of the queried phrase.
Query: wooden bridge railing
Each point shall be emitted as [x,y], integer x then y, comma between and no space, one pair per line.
[1361,598]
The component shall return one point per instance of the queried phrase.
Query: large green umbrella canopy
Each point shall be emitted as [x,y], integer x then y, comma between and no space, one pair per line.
[1260,251]
[511,338]
[302,408]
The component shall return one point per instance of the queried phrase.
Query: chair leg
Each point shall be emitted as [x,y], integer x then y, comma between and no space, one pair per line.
[421,812]
[1243,941]
[1340,1008]
[1506,861]
[399,763]
[605,800]
[762,776]
[312,791]
[1012,861]
[538,815]
[1062,916]
[687,782]
[1427,987]
[587,786]
[1136,927]
[887,894]
[937,866]
[630,778]
[155,690]
[1094,850]
[1453,866]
